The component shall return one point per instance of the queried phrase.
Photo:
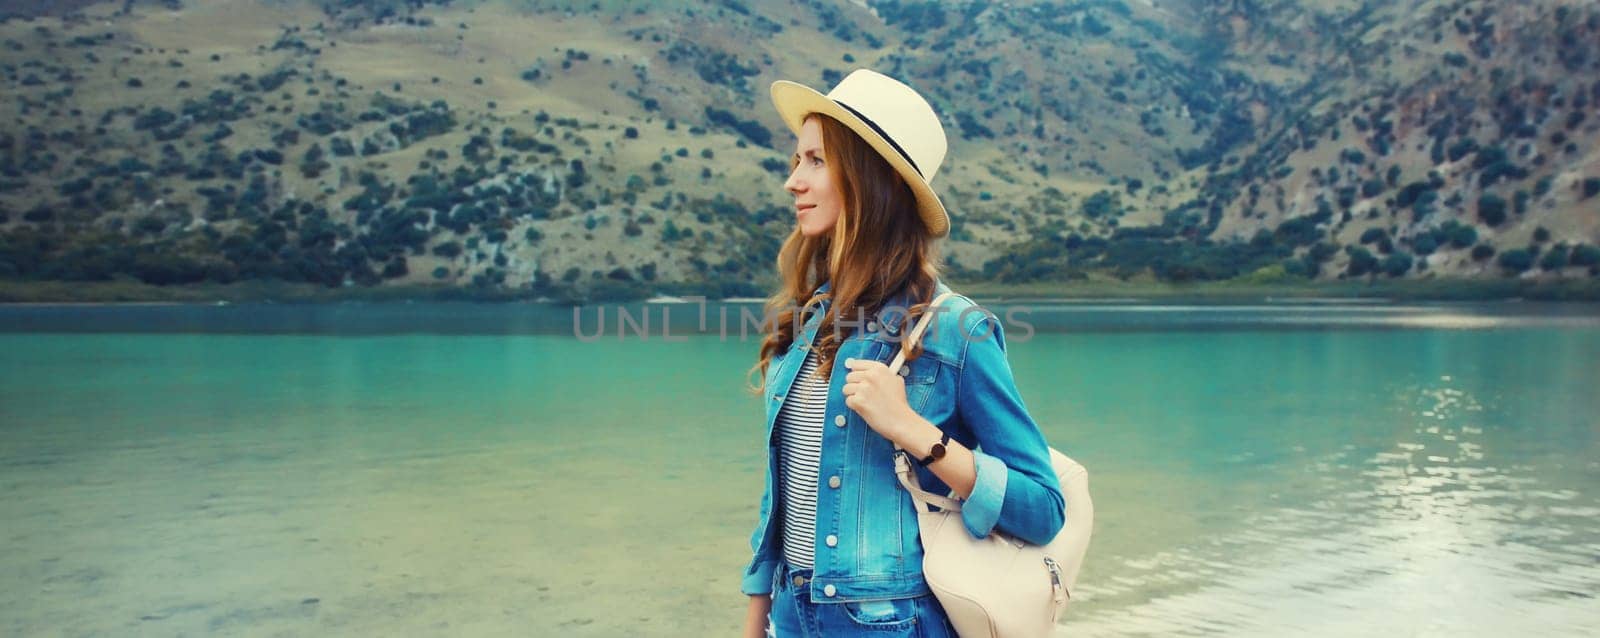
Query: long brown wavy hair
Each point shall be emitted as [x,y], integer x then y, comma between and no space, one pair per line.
[879,247]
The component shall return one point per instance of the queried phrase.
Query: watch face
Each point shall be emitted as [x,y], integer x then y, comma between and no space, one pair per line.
[937,452]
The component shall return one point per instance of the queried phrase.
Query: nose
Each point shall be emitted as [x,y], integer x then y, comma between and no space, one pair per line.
[794,184]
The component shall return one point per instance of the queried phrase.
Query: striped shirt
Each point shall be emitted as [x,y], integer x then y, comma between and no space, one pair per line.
[799,429]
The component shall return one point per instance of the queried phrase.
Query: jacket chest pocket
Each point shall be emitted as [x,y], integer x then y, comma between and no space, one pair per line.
[920,379]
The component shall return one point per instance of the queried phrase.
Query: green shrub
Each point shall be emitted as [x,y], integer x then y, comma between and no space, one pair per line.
[1361,261]
[448,250]
[1555,259]
[149,225]
[1300,231]
[1424,244]
[1542,187]
[1461,235]
[1492,209]
[750,129]
[395,268]
[1585,255]
[1397,264]
[1102,204]
[1516,260]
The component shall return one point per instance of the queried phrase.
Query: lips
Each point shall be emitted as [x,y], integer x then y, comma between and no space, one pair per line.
[803,208]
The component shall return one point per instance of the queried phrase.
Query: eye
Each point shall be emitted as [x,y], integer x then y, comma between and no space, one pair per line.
[816,161]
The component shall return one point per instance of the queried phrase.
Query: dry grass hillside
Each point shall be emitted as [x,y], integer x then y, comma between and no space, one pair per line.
[623,148]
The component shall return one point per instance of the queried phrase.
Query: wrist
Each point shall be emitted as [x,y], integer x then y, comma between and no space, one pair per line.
[917,435]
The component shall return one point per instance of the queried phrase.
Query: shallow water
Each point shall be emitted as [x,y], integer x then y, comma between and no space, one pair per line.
[450,469]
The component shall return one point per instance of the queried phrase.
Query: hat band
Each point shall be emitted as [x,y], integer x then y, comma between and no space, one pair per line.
[885,137]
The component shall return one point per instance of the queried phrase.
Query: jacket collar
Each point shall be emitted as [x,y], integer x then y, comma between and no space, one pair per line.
[901,302]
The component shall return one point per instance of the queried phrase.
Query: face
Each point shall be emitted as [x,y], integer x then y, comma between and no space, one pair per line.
[818,200]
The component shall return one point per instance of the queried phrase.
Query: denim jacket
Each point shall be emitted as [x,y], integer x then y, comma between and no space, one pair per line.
[867,539]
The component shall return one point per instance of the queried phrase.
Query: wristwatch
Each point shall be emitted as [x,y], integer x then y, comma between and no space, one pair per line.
[936,453]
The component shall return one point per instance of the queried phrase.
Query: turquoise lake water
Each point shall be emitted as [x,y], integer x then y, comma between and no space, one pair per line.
[452,469]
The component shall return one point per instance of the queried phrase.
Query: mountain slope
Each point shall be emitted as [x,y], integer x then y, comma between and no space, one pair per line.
[592,148]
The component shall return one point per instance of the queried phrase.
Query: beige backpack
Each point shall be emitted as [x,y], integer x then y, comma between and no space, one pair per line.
[998,586]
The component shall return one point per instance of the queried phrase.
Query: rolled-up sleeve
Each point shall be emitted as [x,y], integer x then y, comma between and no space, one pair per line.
[758,577]
[1016,487]
[758,573]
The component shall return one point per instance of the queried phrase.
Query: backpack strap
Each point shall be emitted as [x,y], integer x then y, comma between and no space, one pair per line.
[902,459]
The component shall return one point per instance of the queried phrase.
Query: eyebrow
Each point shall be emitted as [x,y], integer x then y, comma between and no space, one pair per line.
[809,151]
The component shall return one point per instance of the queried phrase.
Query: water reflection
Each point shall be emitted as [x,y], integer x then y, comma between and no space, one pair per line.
[1437,534]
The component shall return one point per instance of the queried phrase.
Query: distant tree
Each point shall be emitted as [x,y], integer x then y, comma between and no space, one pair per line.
[1516,260]
[1555,258]
[1585,255]
[1372,188]
[576,176]
[395,268]
[1361,261]
[1102,204]
[1492,209]
[1461,235]
[448,250]
[1397,264]
[1424,244]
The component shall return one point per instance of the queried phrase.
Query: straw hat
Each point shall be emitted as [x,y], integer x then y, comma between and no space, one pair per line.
[891,117]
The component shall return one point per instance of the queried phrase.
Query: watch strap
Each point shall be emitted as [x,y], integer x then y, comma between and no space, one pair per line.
[937,452]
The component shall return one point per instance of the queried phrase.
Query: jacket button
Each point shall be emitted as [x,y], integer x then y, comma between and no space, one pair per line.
[905,371]
[872,326]
[829,591]
[838,420]
[833,482]
[833,541]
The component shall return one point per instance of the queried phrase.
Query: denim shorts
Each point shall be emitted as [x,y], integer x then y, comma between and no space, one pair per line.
[795,615]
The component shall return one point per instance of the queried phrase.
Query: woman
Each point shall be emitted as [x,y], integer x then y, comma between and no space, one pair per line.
[836,549]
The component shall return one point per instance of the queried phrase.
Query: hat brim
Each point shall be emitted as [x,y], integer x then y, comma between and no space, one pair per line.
[795,101]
